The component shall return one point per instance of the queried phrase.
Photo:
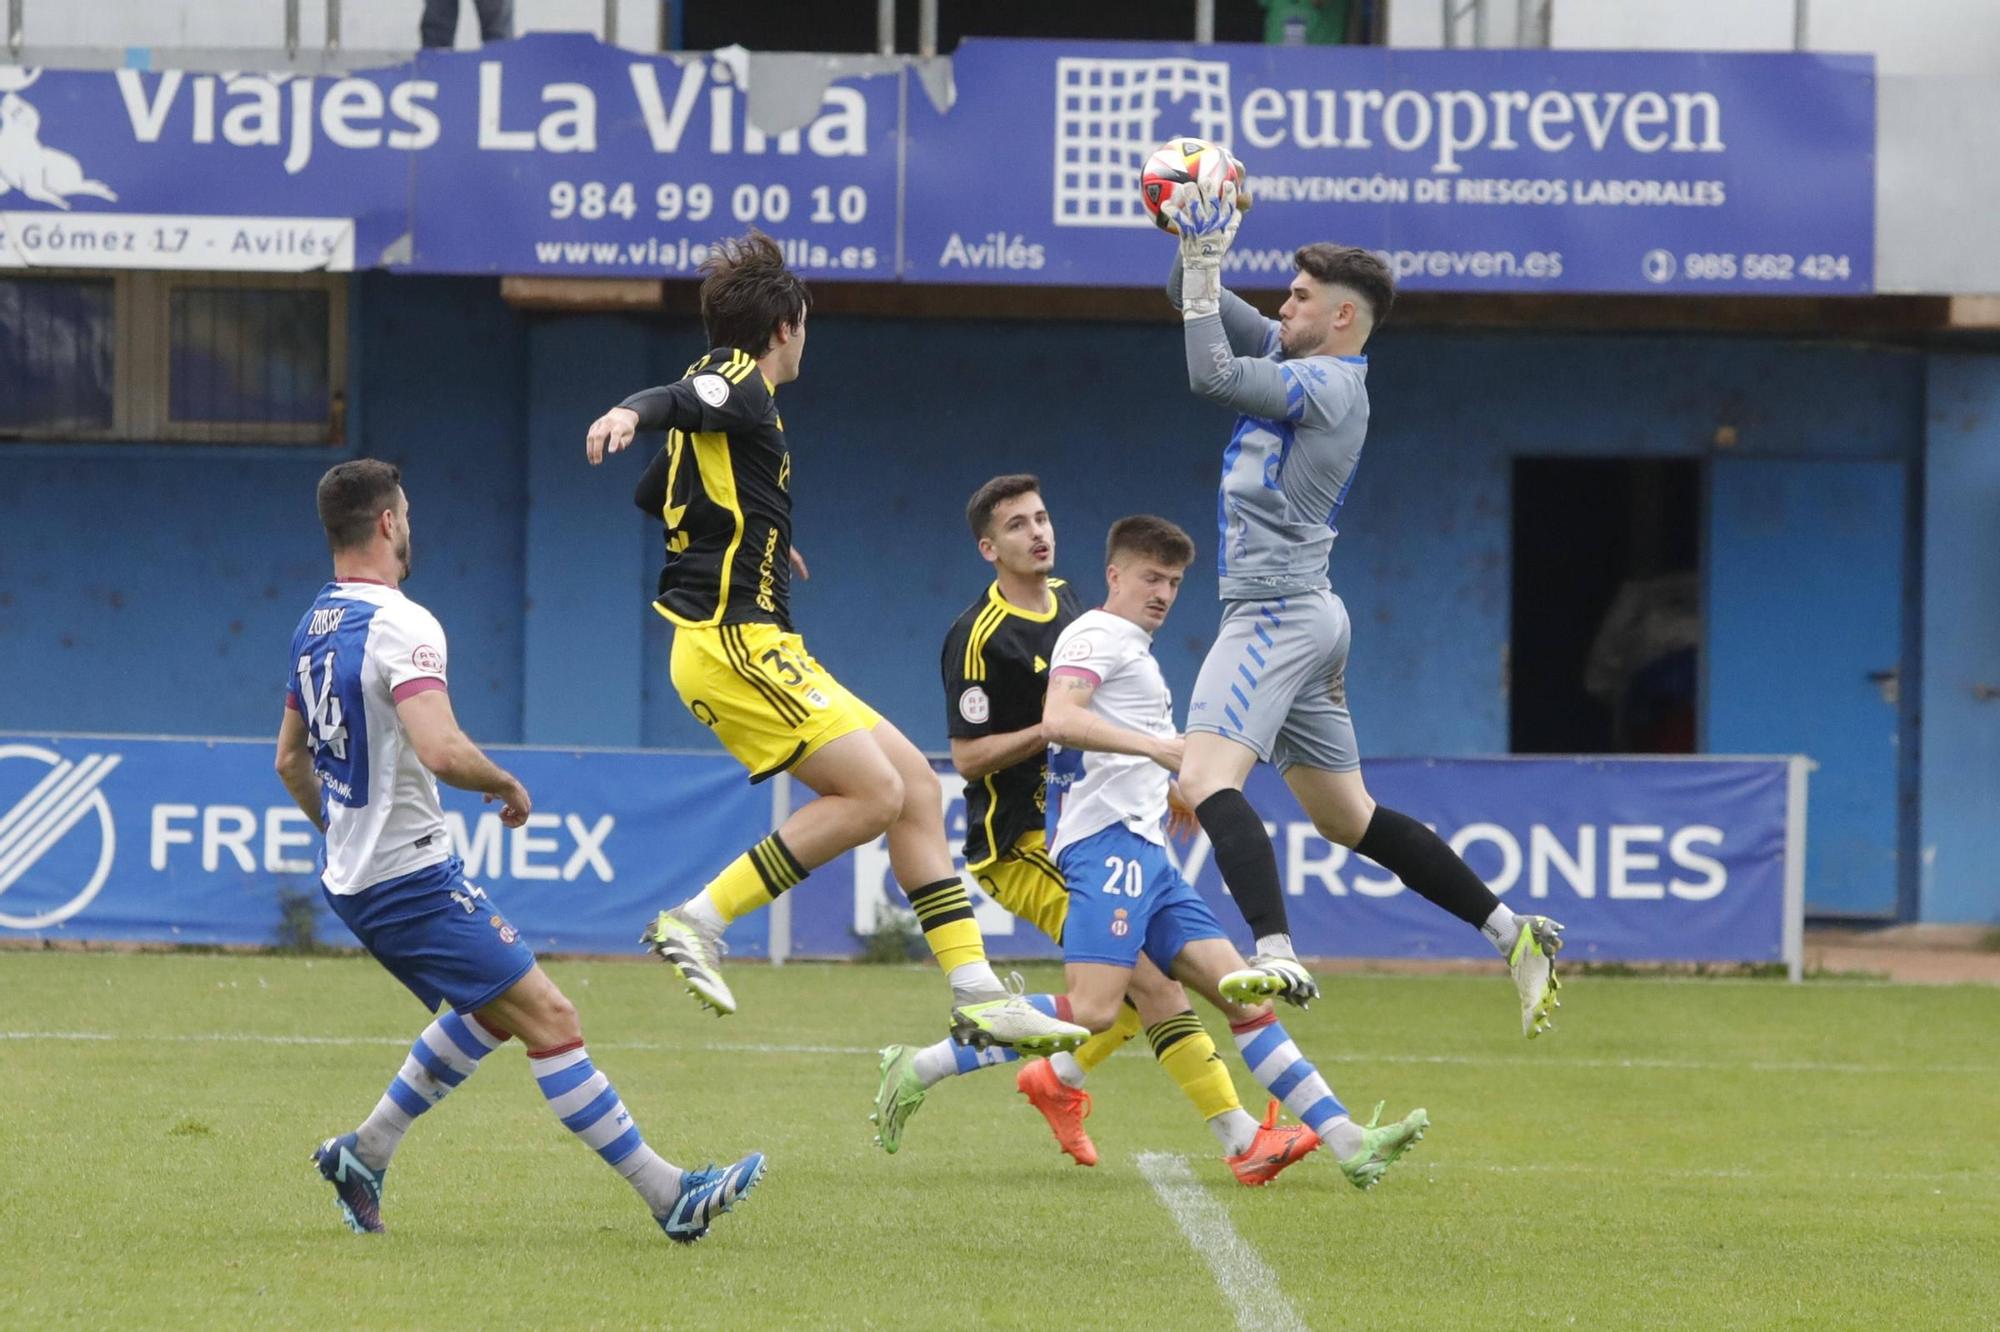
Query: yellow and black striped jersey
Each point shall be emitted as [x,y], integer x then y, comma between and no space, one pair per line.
[996,667]
[722,485]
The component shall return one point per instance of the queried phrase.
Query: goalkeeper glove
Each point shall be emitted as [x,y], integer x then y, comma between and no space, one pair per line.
[1207,224]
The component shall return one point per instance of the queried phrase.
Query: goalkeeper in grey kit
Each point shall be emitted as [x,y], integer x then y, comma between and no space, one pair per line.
[1273,689]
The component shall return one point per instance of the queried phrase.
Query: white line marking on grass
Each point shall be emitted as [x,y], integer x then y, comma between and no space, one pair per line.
[1531,1062]
[1249,1287]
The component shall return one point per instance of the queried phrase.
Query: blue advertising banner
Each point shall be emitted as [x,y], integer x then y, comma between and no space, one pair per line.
[193,841]
[1509,170]
[1644,860]
[550,154]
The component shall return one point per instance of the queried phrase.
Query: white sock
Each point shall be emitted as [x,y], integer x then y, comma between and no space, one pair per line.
[1235,1130]
[657,1180]
[1276,945]
[445,1054]
[1066,1067]
[1342,1135]
[975,980]
[701,910]
[1503,927]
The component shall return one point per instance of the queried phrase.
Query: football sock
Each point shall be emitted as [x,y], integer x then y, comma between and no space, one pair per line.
[944,911]
[1420,858]
[1068,1071]
[1502,928]
[1244,858]
[947,1059]
[588,1106]
[1276,945]
[1235,1130]
[1276,1063]
[1185,1051]
[444,1055]
[1101,1046]
[751,881]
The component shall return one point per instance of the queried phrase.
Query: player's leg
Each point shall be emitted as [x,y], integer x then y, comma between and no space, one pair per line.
[1321,761]
[682,1202]
[1265,655]
[445,941]
[1030,886]
[1364,1151]
[1186,1052]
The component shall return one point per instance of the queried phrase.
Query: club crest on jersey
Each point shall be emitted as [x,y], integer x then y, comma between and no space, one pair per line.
[1120,925]
[711,389]
[974,706]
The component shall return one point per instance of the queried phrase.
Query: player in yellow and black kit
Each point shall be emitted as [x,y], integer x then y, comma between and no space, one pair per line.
[996,669]
[722,486]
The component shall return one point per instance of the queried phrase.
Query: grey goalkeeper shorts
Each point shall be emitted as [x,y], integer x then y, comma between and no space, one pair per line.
[1276,682]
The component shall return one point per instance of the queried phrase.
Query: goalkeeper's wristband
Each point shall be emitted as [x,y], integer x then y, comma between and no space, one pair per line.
[1201,286]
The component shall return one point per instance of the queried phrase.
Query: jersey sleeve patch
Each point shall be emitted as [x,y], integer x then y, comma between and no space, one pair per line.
[975,706]
[409,644]
[712,389]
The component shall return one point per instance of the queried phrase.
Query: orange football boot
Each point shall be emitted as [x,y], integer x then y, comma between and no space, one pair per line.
[1275,1147]
[1064,1106]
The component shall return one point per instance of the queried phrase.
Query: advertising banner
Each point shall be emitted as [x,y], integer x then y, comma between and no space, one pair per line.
[1514,170]
[125,838]
[1517,170]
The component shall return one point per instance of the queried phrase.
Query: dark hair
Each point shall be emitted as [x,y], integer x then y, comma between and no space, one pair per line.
[1350,266]
[1149,538]
[352,495]
[747,293]
[979,509]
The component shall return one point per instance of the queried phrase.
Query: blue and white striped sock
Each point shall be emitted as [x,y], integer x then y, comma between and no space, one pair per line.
[1276,1063]
[588,1106]
[948,1059]
[444,1055]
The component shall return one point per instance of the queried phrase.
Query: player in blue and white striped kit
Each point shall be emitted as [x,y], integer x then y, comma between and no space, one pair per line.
[1274,686]
[367,731]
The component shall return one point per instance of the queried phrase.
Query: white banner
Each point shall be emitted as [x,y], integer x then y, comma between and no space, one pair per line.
[174,241]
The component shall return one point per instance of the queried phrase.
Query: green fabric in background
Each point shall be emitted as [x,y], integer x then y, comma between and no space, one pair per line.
[1305,22]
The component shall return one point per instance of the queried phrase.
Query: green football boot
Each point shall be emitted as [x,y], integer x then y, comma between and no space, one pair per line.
[1380,1147]
[897,1097]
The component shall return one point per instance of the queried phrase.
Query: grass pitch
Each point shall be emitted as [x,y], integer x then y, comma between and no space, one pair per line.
[1688,1153]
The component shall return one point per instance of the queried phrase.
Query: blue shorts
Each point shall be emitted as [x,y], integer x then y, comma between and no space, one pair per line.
[1125,897]
[439,935]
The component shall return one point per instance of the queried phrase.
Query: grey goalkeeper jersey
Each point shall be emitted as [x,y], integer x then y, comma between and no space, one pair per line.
[1291,456]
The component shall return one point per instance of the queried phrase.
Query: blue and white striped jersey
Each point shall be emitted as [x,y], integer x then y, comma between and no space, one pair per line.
[359,651]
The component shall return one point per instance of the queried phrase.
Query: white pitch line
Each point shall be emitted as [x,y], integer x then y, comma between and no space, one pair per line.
[1525,1061]
[1249,1286]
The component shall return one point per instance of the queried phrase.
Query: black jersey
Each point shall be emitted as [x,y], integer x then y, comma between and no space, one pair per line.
[996,667]
[722,485]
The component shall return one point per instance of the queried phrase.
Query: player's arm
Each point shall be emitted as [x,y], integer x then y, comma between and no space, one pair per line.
[976,748]
[1249,332]
[990,753]
[1068,721]
[295,765]
[452,757]
[1252,385]
[651,492]
[714,400]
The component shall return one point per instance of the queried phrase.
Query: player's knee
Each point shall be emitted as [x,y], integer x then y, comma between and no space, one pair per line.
[880,803]
[555,1019]
[1347,825]
[1198,784]
[1094,1013]
[922,790]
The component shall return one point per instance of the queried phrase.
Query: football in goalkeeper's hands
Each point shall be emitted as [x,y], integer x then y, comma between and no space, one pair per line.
[1188,163]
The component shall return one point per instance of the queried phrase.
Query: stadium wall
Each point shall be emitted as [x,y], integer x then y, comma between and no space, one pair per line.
[150,589]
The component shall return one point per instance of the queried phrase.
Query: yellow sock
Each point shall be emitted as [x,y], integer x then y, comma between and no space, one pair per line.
[754,879]
[1106,1043]
[944,911]
[1183,1048]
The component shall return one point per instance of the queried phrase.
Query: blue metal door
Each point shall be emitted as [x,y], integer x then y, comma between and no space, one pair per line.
[1804,623]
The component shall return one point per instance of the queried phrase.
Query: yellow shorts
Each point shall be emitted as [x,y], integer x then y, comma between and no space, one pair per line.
[1028,884]
[763,695]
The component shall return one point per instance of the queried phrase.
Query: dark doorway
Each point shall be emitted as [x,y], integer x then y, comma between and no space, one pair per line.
[1607,627]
